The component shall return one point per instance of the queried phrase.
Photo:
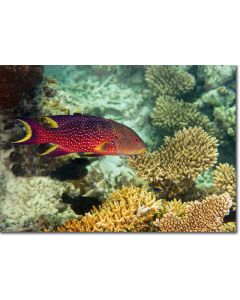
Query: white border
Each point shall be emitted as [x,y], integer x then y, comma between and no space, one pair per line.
[119,266]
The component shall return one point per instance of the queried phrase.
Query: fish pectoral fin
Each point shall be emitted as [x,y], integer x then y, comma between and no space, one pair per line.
[54,150]
[102,147]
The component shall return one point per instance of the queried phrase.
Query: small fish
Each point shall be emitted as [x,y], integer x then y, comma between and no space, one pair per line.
[87,135]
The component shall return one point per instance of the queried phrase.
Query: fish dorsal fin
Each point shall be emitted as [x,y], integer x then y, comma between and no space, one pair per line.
[49,122]
[57,121]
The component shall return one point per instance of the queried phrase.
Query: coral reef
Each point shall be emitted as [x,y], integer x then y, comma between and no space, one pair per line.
[197,216]
[27,203]
[171,114]
[169,80]
[175,165]
[104,176]
[224,180]
[214,76]
[129,209]
[220,103]
[17,80]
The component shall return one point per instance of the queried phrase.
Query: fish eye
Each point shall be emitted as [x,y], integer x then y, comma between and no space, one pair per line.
[137,139]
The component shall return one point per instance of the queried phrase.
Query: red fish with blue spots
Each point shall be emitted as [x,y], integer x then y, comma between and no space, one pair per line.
[87,135]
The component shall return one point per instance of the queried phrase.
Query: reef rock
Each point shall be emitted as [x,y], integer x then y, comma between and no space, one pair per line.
[17,80]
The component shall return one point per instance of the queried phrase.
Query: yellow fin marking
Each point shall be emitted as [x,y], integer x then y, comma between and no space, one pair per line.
[28,132]
[50,122]
[51,149]
[102,147]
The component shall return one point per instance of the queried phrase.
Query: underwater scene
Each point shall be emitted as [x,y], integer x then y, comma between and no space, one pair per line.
[108,148]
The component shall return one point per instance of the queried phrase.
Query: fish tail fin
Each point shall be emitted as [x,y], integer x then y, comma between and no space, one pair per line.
[36,133]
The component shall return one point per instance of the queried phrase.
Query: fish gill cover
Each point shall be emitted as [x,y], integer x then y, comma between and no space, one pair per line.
[184,182]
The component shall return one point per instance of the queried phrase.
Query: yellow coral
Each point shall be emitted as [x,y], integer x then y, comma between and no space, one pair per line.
[174,114]
[126,209]
[199,216]
[224,180]
[228,227]
[178,161]
[169,80]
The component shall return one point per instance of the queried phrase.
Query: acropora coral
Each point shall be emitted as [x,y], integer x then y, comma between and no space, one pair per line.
[169,80]
[129,209]
[180,159]
[224,180]
[197,216]
[171,114]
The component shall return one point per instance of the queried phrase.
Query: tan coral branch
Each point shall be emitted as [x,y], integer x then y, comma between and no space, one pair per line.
[199,216]
[178,161]
[224,180]
[127,209]
[169,80]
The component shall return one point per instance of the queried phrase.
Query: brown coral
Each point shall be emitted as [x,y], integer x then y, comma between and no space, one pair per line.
[224,180]
[127,209]
[169,80]
[200,216]
[181,158]
[16,80]
[173,114]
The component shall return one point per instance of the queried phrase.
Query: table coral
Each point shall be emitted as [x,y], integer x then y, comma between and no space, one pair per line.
[180,159]
[169,80]
[172,114]
[129,209]
[199,216]
[224,180]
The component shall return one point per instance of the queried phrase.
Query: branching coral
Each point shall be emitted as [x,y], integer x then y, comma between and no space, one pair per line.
[173,114]
[224,180]
[169,80]
[225,117]
[175,165]
[199,216]
[127,209]
[214,76]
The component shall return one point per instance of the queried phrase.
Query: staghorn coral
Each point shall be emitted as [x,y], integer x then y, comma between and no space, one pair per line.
[129,209]
[175,165]
[199,216]
[172,114]
[224,180]
[169,80]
